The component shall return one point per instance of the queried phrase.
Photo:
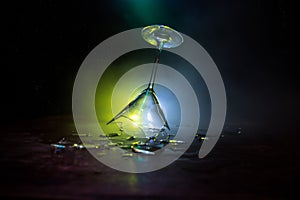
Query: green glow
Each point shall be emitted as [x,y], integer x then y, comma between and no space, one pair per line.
[107,83]
[103,94]
[139,13]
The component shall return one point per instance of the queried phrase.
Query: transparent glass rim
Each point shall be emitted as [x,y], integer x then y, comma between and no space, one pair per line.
[162,36]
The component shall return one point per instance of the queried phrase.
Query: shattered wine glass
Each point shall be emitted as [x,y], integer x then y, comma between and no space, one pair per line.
[144,113]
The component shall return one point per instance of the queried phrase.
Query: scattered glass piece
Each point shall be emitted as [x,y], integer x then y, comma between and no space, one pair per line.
[130,138]
[82,135]
[176,141]
[59,146]
[204,138]
[239,131]
[137,150]
[127,154]
[112,135]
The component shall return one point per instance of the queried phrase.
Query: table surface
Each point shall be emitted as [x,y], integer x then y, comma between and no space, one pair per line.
[251,165]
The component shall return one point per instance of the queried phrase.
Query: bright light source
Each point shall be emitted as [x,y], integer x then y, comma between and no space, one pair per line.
[134,117]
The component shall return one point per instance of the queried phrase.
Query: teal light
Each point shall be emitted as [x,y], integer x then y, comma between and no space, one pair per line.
[143,12]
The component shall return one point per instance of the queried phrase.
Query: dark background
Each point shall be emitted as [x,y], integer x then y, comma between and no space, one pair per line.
[253,43]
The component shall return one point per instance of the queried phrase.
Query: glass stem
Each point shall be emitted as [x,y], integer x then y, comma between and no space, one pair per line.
[155,65]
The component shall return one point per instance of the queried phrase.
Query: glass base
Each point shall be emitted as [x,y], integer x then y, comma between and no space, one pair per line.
[158,35]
